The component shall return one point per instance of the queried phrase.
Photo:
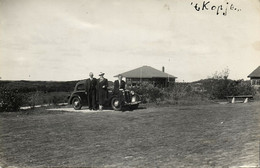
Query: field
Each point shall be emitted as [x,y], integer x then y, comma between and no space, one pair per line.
[216,135]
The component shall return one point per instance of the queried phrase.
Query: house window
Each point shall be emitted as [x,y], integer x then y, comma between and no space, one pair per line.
[256,82]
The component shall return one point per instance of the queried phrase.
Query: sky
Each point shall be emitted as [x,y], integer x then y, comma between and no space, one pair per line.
[64,40]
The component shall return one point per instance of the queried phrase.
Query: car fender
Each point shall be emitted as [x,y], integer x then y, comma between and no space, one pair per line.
[138,97]
[72,96]
[110,98]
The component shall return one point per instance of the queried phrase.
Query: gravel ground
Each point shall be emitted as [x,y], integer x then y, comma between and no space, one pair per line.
[217,135]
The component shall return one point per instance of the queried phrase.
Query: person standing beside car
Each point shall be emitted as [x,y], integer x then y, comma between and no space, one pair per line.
[119,84]
[102,90]
[91,84]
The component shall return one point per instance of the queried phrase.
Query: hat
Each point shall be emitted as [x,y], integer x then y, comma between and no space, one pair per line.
[101,73]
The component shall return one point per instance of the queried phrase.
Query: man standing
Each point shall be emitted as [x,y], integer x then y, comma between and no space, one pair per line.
[119,84]
[91,84]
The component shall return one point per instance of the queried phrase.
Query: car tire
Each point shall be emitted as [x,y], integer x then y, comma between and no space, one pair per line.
[76,103]
[116,104]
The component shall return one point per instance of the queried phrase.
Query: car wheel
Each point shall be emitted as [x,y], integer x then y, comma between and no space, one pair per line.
[116,104]
[76,103]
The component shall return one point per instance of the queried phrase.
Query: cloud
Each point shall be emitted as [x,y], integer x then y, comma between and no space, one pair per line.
[64,40]
[256,45]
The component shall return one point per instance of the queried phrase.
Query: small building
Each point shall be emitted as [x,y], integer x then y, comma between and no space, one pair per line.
[255,77]
[148,74]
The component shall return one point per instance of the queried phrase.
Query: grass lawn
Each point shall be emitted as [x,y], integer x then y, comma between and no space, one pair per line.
[176,136]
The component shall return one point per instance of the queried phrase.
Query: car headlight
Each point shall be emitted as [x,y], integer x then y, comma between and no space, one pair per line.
[133,99]
[132,92]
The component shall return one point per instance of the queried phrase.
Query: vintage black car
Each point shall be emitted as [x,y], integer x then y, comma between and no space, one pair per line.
[124,98]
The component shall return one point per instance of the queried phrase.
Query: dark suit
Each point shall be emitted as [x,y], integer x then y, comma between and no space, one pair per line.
[91,92]
[118,86]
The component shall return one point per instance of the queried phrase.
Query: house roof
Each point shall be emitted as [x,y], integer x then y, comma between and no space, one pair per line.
[146,72]
[255,73]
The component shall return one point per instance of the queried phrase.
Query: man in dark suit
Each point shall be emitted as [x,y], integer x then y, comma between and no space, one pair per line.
[119,84]
[91,84]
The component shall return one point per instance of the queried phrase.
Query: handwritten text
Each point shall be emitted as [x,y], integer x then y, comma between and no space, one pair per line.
[219,9]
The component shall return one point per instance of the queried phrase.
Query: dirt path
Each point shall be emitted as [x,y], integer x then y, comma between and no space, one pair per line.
[177,136]
[83,110]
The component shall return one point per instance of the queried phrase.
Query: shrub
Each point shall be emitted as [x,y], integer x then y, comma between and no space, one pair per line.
[10,100]
[148,92]
[39,98]
[217,88]
[54,97]
[34,99]
[245,88]
[179,93]
[220,88]
[183,94]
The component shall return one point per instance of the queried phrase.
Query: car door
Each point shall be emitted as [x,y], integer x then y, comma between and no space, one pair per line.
[81,92]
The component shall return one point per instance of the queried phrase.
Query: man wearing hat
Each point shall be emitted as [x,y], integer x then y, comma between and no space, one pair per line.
[91,84]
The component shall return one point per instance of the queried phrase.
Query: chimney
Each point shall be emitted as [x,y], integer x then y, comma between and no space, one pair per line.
[163,69]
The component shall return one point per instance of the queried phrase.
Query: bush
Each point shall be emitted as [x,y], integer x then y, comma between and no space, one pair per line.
[179,93]
[34,99]
[245,88]
[40,98]
[220,88]
[56,97]
[183,94]
[148,92]
[10,100]
[217,88]
[186,94]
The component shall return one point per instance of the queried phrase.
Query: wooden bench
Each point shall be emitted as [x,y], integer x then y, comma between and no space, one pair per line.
[245,98]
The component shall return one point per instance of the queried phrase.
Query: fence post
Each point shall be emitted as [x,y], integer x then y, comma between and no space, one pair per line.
[246,100]
[233,100]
